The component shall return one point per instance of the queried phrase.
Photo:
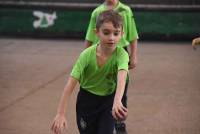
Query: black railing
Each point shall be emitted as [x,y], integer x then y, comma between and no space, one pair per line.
[88,6]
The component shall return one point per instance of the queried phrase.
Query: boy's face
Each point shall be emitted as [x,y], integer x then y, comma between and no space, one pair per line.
[109,35]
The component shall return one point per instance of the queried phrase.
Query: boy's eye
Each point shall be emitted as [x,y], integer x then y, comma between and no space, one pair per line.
[116,33]
[106,33]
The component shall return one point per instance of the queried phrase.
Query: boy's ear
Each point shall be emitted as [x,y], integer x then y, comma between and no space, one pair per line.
[122,33]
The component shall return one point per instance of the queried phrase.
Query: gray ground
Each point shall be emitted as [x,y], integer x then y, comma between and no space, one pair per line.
[164,92]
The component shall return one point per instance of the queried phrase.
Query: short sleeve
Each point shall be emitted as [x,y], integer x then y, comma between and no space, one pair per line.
[132,30]
[122,59]
[79,66]
[90,35]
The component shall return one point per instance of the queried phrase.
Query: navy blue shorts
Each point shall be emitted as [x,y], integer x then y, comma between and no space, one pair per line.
[93,113]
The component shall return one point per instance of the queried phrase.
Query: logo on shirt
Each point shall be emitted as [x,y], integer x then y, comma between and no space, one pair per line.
[83,124]
[120,10]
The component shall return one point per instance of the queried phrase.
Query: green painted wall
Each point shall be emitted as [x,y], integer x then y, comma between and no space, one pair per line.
[15,21]
[168,23]
[74,23]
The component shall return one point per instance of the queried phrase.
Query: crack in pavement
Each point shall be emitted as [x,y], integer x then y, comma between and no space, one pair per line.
[33,91]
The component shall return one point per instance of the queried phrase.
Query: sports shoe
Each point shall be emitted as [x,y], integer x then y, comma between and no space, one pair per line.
[120,128]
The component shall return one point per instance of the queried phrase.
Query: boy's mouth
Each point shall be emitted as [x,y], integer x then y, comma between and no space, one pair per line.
[111,43]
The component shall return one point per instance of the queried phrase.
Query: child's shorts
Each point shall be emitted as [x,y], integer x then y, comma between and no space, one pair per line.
[94,113]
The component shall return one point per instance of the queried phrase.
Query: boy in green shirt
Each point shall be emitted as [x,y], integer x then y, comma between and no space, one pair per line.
[130,35]
[129,38]
[101,71]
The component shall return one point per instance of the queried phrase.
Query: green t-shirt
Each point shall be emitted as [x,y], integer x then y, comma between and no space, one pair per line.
[99,80]
[129,27]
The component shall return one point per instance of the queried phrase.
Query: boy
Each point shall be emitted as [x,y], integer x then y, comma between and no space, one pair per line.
[130,35]
[101,71]
[129,38]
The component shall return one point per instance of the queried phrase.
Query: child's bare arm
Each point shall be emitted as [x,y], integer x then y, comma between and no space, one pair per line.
[119,111]
[60,121]
[69,87]
[133,54]
[87,43]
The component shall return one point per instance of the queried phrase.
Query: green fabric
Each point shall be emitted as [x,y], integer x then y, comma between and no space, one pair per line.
[129,27]
[99,80]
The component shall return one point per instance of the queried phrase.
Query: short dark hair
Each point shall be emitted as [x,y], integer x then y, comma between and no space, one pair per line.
[109,16]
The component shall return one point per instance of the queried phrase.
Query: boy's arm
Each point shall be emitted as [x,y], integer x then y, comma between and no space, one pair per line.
[90,35]
[133,54]
[68,89]
[60,121]
[87,43]
[132,36]
[118,110]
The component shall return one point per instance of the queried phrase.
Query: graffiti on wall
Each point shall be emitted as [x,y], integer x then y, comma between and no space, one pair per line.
[44,20]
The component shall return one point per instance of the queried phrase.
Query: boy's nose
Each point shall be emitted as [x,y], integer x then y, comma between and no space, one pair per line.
[111,37]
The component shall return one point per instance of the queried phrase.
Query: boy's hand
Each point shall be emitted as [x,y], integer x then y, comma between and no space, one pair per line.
[59,124]
[195,42]
[119,112]
[132,63]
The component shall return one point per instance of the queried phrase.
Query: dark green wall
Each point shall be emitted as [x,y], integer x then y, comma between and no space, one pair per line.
[71,23]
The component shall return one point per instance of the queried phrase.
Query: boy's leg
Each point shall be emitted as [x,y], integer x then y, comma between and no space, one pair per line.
[124,98]
[106,122]
[85,117]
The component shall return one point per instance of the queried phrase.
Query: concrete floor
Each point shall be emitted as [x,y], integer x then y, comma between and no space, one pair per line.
[164,90]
